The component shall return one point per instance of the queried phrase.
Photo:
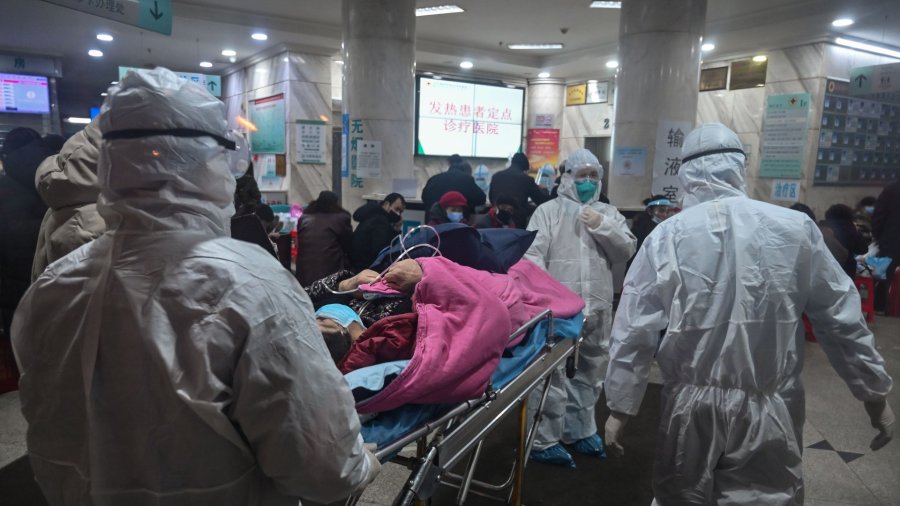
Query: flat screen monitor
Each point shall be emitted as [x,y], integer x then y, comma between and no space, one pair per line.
[24,94]
[471,119]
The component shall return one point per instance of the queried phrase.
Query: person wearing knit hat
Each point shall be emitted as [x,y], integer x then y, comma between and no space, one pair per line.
[452,207]
[515,183]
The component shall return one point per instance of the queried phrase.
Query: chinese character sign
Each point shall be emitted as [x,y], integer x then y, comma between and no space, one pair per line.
[784,136]
[667,159]
[355,139]
[468,119]
[268,116]
[788,191]
[311,142]
[543,147]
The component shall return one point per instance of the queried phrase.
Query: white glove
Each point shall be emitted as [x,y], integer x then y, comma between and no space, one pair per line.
[882,419]
[615,428]
[590,218]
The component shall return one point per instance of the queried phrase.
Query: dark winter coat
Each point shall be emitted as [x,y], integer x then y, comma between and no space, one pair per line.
[323,245]
[374,233]
[886,222]
[515,184]
[452,180]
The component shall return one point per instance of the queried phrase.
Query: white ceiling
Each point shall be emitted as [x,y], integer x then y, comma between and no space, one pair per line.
[202,28]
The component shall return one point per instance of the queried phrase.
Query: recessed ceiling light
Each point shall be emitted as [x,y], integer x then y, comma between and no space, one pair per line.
[544,74]
[606,5]
[232,59]
[229,52]
[339,62]
[104,94]
[96,53]
[708,46]
[113,83]
[841,22]
[611,64]
[206,64]
[427,73]
[466,64]
[546,45]
[259,36]
[76,119]
[437,77]
[760,58]
[105,37]
[592,81]
[438,9]
[510,85]
[867,47]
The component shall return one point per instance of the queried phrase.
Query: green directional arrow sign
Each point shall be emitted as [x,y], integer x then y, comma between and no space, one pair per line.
[153,15]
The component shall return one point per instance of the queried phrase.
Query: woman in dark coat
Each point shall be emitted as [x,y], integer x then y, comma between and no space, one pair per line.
[839,218]
[324,237]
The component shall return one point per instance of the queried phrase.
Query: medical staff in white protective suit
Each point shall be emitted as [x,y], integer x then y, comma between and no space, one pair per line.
[165,363]
[578,240]
[729,278]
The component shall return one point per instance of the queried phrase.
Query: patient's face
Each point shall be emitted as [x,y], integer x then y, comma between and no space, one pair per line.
[329,326]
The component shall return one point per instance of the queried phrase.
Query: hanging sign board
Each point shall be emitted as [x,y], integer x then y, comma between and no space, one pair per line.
[153,15]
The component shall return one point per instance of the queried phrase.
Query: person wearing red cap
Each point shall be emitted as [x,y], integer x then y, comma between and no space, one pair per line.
[452,207]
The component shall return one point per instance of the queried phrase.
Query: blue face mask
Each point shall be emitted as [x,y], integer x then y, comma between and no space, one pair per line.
[586,189]
[869,210]
[455,217]
[340,313]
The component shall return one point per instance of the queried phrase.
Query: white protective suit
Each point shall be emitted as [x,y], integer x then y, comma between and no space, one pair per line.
[165,363]
[729,278]
[580,258]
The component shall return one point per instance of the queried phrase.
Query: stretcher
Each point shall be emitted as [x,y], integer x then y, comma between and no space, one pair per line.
[458,432]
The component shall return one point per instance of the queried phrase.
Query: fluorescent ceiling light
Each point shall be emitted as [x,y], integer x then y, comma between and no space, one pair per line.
[437,77]
[708,46]
[229,52]
[113,83]
[104,94]
[841,22]
[232,59]
[105,37]
[96,53]
[80,121]
[611,64]
[259,36]
[760,58]
[862,46]
[592,81]
[510,85]
[466,64]
[544,74]
[339,62]
[438,9]
[606,5]
[206,64]
[547,45]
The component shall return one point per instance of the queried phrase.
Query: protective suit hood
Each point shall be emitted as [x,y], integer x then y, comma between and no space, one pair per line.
[579,159]
[163,181]
[712,165]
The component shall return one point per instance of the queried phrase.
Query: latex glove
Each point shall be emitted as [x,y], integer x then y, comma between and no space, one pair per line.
[590,218]
[882,417]
[615,428]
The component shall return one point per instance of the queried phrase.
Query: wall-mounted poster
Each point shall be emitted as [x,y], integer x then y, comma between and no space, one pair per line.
[859,136]
[576,94]
[784,136]
[268,116]
[714,79]
[597,92]
[311,141]
[542,147]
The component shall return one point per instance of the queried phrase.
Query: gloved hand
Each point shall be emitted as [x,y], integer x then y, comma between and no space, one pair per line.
[882,419]
[615,428]
[590,218]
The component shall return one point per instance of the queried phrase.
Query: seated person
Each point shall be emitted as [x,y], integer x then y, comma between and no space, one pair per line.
[451,208]
[501,215]
[321,292]
[340,326]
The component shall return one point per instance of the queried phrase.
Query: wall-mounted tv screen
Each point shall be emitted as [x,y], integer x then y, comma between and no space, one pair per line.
[473,120]
[24,94]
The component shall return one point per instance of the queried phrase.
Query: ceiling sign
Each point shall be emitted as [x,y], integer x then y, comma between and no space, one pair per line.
[880,82]
[153,15]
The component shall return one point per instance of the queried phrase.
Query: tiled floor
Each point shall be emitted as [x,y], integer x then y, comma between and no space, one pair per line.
[839,467]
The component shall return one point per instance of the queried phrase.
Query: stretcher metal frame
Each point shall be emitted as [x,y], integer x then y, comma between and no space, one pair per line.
[445,441]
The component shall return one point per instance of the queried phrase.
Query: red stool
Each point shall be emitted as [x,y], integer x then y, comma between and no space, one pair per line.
[866,287]
[892,308]
[9,374]
[807,326]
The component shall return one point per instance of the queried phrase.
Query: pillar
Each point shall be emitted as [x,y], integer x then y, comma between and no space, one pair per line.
[656,90]
[545,107]
[378,92]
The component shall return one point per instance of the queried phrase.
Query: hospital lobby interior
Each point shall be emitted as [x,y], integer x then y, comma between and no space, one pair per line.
[524,204]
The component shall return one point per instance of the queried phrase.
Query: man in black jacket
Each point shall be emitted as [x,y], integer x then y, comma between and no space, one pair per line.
[457,178]
[515,183]
[378,225]
[886,232]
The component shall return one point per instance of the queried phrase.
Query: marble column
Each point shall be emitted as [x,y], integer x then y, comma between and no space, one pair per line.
[545,97]
[379,90]
[658,82]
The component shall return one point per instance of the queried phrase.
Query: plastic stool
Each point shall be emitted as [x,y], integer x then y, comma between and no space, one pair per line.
[866,287]
[892,308]
[9,374]
[807,326]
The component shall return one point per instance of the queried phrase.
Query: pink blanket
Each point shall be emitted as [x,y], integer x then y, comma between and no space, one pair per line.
[465,319]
